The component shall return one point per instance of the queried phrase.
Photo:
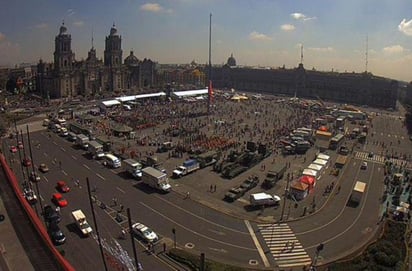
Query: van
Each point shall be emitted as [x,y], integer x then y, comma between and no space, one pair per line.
[112,161]
[263,199]
[56,128]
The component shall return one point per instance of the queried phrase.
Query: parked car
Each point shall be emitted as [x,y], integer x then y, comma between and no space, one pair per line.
[56,235]
[145,233]
[43,168]
[62,187]
[50,215]
[13,149]
[26,162]
[58,199]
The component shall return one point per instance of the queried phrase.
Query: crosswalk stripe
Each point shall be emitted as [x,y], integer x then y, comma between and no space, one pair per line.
[381,159]
[284,246]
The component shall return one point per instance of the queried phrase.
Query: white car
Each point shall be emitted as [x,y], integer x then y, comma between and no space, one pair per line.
[144,233]
[364,165]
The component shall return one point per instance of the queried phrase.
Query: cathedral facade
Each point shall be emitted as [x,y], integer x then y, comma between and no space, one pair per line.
[68,78]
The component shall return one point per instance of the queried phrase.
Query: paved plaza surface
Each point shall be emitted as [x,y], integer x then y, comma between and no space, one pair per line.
[284,236]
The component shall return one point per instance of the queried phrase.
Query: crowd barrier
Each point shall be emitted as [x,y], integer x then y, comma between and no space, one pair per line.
[11,177]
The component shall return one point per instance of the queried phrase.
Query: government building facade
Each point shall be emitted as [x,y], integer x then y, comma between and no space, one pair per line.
[68,78]
[352,88]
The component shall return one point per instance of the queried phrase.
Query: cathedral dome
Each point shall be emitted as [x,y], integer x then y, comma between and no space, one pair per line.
[231,61]
[131,60]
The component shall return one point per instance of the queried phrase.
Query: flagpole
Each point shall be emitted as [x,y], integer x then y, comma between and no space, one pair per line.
[210,66]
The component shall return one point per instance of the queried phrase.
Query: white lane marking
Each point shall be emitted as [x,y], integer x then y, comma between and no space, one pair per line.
[44,177]
[199,217]
[257,244]
[63,149]
[45,154]
[218,249]
[42,199]
[86,166]
[100,176]
[112,170]
[64,172]
[194,232]
[118,188]
[74,157]
[54,142]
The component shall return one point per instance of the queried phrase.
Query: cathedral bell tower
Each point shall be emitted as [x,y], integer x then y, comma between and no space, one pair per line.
[113,49]
[63,54]
[113,60]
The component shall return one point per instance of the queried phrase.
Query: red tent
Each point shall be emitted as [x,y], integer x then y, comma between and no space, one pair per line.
[309,180]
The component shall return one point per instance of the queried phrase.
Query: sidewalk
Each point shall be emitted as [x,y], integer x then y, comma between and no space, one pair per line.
[12,255]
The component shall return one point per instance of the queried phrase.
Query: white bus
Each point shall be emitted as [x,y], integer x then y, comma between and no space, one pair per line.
[112,161]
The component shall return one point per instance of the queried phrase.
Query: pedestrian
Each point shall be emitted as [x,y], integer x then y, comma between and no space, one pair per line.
[214,188]
[114,200]
[60,164]
[164,247]
[121,208]
[293,246]
[187,195]
[58,209]
[211,188]
[139,267]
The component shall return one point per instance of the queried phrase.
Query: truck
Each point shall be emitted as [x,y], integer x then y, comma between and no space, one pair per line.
[274,175]
[263,199]
[207,159]
[81,222]
[156,179]
[82,141]
[133,167]
[187,167]
[341,161]
[95,149]
[152,161]
[357,193]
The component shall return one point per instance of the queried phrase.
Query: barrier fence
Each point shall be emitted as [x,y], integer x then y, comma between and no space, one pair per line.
[37,223]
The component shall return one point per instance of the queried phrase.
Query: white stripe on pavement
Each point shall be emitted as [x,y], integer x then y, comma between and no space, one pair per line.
[100,176]
[64,172]
[120,190]
[74,157]
[86,166]
[257,244]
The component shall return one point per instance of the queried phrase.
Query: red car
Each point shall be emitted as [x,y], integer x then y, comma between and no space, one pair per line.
[13,149]
[59,200]
[26,162]
[62,187]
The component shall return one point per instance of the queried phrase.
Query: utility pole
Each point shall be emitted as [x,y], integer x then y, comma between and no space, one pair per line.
[129,219]
[95,224]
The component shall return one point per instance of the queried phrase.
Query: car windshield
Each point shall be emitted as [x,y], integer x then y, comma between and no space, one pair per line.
[147,232]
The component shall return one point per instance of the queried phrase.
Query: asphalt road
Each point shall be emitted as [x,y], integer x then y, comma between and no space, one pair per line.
[199,228]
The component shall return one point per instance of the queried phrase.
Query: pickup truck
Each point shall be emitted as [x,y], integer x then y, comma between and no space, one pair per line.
[188,166]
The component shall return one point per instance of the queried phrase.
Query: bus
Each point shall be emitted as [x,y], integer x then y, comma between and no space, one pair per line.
[335,141]
[341,161]
[357,193]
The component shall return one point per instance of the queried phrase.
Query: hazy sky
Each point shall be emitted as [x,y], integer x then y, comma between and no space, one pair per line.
[257,32]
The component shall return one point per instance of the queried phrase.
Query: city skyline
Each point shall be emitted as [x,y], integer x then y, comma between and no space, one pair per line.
[258,33]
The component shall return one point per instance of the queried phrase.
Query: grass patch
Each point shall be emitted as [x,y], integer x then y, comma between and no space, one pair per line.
[386,254]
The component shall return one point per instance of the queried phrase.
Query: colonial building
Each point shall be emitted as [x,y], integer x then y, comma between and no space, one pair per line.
[67,78]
